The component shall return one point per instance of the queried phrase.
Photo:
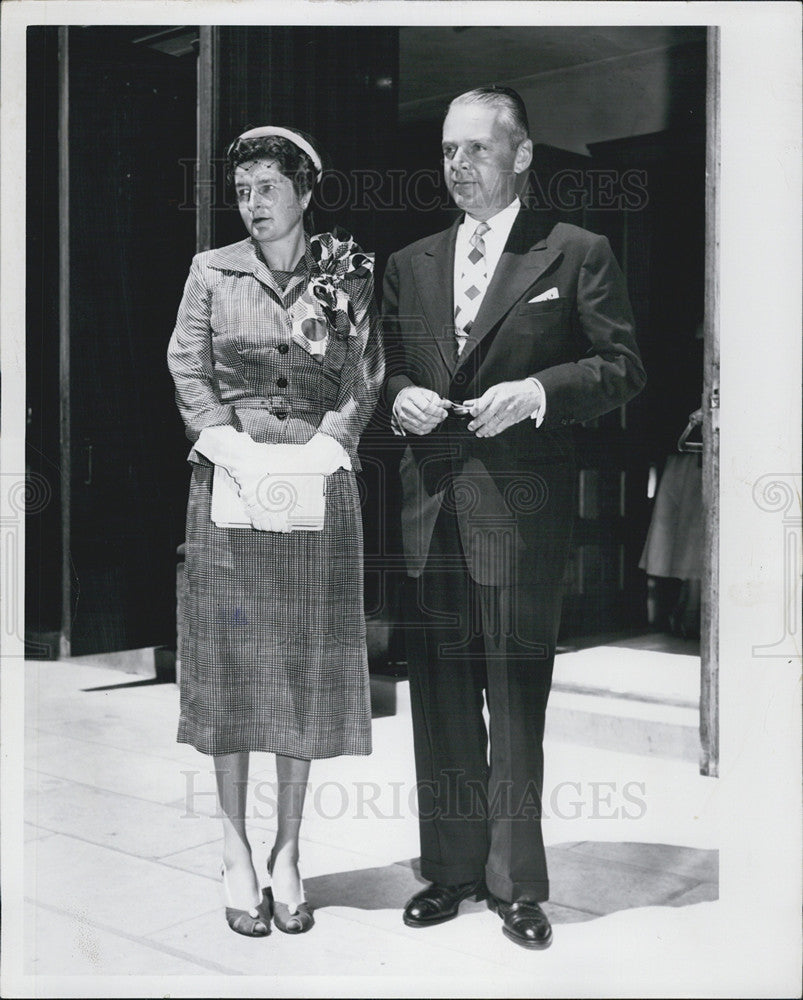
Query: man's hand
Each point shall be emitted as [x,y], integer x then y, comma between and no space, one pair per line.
[502,406]
[419,410]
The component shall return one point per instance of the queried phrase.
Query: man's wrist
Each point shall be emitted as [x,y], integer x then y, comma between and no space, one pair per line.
[395,423]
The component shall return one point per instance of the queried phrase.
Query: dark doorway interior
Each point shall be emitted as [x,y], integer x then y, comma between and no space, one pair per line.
[43,550]
[131,134]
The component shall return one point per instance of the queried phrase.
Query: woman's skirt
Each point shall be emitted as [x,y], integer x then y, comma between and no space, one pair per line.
[674,544]
[273,653]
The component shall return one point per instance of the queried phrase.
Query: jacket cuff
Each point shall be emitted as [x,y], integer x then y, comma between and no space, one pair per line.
[223,415]
[557,387]
[394,386]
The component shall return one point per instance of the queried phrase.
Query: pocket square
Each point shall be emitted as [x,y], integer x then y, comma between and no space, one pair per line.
[551,293]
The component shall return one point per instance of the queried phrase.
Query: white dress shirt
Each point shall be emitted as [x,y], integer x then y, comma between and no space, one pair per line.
[495,239]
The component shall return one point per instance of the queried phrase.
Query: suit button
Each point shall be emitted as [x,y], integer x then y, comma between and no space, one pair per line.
[281,382]
[283,348]
[281,415]
[460,378]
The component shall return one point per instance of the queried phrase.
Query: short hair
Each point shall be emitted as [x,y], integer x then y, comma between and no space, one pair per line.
[508,104]
[292,161]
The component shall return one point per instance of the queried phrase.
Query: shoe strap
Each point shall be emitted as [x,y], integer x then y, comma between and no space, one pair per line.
[296,905]
[293,908]
[228,900]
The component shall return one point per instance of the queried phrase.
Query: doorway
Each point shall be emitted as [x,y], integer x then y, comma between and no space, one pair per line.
[108,247]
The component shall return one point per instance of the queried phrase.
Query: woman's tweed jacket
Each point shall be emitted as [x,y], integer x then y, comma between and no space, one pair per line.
[273,645]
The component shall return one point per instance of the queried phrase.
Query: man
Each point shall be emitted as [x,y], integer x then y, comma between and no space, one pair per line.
[501,332]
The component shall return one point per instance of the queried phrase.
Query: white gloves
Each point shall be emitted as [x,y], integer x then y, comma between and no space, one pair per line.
[325,455]
[226,446]
[249,464]
[258,468]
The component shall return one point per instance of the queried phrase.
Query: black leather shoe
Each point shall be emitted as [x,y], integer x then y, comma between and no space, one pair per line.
[523,922]
[438,903]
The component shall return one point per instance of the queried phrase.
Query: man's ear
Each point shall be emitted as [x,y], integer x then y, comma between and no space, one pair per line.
[524,156]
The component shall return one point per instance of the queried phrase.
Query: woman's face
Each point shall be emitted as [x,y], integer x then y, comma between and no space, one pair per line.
[267,200]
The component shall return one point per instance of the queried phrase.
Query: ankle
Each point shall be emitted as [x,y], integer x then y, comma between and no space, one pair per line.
[236,857]
[288,854]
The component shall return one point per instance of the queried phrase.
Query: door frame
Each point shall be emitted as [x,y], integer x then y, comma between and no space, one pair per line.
[709,633]
[65,636]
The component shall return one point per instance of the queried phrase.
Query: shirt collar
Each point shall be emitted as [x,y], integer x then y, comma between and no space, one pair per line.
[501,223]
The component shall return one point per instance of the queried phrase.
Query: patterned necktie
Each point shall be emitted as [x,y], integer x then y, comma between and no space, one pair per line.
[472,285]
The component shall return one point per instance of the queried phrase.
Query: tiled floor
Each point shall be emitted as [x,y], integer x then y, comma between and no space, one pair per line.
[123,852]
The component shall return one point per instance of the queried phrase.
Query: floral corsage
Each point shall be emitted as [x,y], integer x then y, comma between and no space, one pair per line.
[325,306]
[337,259]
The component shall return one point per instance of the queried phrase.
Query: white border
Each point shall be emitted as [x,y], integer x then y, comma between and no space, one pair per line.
[758,792]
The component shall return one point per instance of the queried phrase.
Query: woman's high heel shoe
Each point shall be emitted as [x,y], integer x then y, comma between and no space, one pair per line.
[290,918]
[250,923]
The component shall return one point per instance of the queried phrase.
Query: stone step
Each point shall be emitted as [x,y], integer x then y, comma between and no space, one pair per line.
[624,724]
[632,700]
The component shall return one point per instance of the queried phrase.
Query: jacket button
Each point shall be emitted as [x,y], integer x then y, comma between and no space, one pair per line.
[281,415]
[281,382]
[283,348]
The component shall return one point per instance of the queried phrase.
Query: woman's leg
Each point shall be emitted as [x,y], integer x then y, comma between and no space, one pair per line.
[231,771]
[292,775]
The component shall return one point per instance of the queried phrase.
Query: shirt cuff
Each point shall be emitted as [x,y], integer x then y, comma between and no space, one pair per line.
[540,411]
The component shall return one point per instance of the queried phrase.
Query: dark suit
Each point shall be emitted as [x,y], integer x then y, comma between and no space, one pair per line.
[487,523]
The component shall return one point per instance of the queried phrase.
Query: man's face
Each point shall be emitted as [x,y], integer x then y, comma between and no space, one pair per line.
[479,163]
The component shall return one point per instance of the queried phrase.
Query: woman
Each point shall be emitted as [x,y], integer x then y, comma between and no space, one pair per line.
[277,361]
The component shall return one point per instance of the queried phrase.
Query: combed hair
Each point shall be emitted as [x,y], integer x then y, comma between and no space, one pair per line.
[509,105]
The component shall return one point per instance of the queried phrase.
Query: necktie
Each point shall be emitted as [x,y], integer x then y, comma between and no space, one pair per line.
[472,285]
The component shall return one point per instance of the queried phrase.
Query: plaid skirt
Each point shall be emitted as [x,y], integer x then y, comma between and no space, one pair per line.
[273,653]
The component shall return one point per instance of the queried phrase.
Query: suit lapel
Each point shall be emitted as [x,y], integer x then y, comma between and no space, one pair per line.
[526,256]
[433,270]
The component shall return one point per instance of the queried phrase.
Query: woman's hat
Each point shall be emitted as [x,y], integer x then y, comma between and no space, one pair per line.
[285,133]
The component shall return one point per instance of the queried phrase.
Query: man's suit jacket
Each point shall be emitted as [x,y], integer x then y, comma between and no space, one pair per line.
[580,345]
